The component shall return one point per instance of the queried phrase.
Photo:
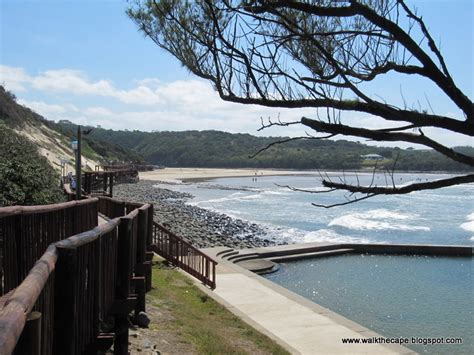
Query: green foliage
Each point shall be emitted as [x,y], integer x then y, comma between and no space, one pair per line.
[26,178]
[225,150]
[15,115]
[97,148]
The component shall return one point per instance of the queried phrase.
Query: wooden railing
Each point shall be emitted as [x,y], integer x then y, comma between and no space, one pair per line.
[63,278]
[78,285]
[98,183]
[182,254]
[26,232]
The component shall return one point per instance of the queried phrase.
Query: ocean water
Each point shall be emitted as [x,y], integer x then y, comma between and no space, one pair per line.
[443,216]
[396,296]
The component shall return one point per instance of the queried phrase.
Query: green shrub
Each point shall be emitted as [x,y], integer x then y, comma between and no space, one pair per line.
[26,178]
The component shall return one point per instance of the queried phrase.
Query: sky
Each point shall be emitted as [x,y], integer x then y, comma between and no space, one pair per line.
[85,61]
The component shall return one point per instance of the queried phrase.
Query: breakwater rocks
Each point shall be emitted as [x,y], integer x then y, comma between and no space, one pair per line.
[203,228]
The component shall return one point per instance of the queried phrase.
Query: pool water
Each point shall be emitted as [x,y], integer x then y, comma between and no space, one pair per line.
[394,295]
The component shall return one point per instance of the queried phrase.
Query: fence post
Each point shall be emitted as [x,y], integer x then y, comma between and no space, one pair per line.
[65,301]
[213,283]
[140,267]
[149,253]
[104,183]
[111,177]
[122,292]
[150,226]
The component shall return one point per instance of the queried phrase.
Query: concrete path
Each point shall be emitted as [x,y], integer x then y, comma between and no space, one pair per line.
[294,322]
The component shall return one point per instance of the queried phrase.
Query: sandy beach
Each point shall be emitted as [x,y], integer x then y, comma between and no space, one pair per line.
[176,175]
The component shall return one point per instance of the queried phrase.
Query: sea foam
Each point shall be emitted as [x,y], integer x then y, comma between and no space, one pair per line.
[469,225]
[379,219]
[329,236]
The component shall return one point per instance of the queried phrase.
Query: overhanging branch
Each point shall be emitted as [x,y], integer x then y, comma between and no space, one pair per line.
[333,128]
[375,190]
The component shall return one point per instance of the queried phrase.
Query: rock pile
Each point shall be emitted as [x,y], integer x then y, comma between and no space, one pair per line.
[203,228]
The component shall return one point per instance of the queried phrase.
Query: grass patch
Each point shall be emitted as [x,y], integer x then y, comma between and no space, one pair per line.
[196,318]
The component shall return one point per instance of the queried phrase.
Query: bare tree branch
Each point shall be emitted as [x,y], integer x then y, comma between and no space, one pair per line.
[286,141]
[317,55]
[332,128]
[345,203]
[464,179]
[292,188]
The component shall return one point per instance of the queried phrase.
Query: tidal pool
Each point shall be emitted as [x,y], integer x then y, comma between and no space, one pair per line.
[394,295]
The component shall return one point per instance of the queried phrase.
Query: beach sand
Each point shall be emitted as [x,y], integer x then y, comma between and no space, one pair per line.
[177,175]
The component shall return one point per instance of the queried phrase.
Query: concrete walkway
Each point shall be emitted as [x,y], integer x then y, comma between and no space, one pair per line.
[294,322]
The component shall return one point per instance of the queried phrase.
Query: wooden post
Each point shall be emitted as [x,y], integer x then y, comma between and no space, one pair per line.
[149,254]
[122,292]
[111,177]
[150,226]
[141,258]
[142,235]
[104,183]
[213,283]
[78,164]
[64,301]
[124,267]
[30,339]
[87,183]
[139,283]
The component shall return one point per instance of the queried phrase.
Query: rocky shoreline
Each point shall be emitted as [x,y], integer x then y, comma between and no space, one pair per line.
[203,228]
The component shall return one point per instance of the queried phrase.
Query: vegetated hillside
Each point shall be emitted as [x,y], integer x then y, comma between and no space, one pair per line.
[26,178]
[53,142]
[226,150]
[93,146]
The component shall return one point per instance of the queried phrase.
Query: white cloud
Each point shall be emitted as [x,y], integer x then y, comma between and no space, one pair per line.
[13,78]
[155,105]
[51,111]
[98,111]
[75,82]
[70,81]
[150,82]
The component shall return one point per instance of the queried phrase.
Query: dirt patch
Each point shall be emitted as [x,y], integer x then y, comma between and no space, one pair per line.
[158,338]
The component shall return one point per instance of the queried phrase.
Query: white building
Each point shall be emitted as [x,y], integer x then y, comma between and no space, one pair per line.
[372,157]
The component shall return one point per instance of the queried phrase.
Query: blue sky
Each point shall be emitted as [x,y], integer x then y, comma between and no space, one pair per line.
[85,61]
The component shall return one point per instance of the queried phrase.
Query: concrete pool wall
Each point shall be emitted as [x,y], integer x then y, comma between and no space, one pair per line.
[263,260]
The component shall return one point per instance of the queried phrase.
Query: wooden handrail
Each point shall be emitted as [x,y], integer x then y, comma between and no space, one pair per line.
[134,204]
[182,253]
[15,210]
[89,236]
[21,302]
[196,250]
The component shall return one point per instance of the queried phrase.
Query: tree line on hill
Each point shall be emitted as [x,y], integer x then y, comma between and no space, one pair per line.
[216,149]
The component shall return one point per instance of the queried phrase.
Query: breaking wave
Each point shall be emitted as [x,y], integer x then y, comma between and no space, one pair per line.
[329,236]
[379,219]
[295,235]
[469,225]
